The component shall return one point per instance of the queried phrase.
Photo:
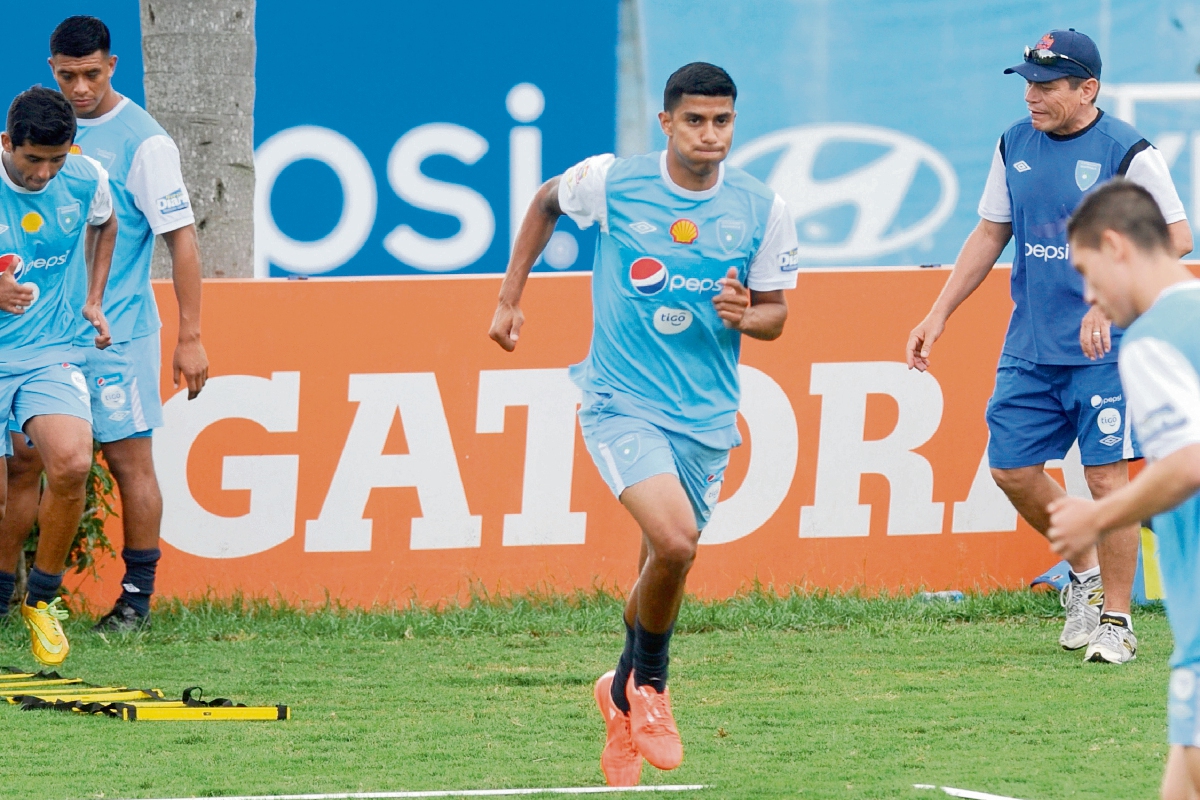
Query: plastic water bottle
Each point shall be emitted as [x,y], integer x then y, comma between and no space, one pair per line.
[950,597]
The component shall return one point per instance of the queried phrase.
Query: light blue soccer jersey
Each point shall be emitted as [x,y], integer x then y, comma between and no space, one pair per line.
[1036,181]
[658,347]
[45,229]
[150,199]
[1160,371]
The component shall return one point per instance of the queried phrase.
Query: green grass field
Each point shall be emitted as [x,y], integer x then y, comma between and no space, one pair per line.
[802,696]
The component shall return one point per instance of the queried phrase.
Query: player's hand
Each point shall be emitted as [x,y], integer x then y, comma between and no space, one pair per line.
[14,297]
[1073,529]
[506,326]
[93,314]
[1095,335]
[732,301]
[191,366]
[920,342]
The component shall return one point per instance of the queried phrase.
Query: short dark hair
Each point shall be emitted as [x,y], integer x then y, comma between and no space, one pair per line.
[1122,206]
[42,117]
[697,78]
[76,37]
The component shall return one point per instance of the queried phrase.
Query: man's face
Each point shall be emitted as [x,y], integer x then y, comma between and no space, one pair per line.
[32,166]
[700,128]
[85,81]
[1107,278]
[1054,103]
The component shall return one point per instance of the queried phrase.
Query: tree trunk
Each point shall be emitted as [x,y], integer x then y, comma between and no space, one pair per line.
[199,68]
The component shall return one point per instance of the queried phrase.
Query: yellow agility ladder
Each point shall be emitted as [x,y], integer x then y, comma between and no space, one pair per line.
[49,690]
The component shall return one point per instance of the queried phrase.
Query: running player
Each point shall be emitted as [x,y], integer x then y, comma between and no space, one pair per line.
[1122,246]
[150,199]
[691,255]
[1055,383]
[56,216]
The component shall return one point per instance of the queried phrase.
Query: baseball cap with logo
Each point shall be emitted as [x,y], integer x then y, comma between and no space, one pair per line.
[1059,54]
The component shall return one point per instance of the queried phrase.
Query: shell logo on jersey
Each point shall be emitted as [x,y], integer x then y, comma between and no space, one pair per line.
[684,231]
[32,222]
[76,150]
[648,275]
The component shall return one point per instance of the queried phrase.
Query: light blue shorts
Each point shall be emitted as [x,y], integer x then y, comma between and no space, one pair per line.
[1183,707]
[58,388]
[123,382]
[628,450]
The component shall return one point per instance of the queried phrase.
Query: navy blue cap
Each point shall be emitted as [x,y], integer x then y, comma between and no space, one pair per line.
[1070,43]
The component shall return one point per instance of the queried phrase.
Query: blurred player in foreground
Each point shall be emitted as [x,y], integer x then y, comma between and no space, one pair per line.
[1054,385]
[150,199]
[690,256]
[56,215]
[1121,244]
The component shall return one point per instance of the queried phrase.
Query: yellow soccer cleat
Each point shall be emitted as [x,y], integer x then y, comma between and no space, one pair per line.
[50,645]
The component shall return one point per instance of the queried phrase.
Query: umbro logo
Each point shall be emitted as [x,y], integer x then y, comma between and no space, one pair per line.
[3,228]
[1021,166]
[642,227]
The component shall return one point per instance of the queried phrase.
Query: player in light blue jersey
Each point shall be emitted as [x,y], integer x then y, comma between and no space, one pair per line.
[56,219]
[1057,381]
[150,200]
[691,255]
[1122,247]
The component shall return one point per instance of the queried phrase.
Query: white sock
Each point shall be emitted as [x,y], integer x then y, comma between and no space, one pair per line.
[1086,575]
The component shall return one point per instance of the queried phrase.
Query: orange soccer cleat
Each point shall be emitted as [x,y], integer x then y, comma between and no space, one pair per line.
[621,762]
[653,726]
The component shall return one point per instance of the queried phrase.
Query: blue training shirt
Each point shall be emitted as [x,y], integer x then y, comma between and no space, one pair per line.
[658,347]
[150,199]
[1037,181]
[1160,373]
[45,229]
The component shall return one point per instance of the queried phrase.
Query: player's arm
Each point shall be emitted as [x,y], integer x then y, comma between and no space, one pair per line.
[976,259]
[98,243]
[190,364]
[1181,237]
[535,232]
[759,315]
[1077,524]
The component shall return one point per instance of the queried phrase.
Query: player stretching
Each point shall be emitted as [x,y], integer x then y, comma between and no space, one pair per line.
[1122,246]
[1054,385]
[55,215]
[150,199]
[691,255]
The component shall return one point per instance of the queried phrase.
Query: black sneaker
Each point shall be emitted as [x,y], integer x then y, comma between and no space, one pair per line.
[123,618]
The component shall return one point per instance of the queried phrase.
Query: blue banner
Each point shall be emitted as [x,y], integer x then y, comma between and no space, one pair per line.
[876,119]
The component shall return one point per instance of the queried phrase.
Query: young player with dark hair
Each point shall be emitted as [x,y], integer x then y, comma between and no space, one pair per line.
[58,222]
[691,255]
[1122,246]
[150,199]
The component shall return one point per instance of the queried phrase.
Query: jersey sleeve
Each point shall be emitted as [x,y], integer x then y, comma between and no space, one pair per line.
[1163,396]
[581,191]
[156,182]
[1149,170]
[101,206]
[774,266]
[995,205]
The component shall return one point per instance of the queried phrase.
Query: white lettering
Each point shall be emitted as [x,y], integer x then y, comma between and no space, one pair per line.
[429,466]
[843,456]
[988,510]
[552,399]
[471,209]
[273,403]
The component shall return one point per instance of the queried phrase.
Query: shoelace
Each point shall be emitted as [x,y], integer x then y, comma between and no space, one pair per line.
[55,610]
[1072,597]
[1109,636]
[657,713]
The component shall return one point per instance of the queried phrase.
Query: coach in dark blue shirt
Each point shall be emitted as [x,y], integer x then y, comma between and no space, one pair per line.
[1057,381]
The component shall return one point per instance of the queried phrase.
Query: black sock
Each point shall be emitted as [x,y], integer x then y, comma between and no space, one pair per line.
[138,583]
[43,587]
[650,657]
[624,667]
[8,582]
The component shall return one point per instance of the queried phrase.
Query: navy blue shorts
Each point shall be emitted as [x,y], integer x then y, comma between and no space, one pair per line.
[1038,411]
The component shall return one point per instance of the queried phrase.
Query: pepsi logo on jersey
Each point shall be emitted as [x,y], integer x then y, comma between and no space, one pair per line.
[648,275]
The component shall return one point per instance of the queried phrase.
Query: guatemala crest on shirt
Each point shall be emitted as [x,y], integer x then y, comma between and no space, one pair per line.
[68,216]
[1086,173]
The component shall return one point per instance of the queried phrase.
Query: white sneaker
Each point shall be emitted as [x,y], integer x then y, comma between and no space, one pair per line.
[1112,643]
[1083,602]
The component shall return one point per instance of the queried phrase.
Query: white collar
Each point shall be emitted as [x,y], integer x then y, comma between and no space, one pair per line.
[20,189]
[687,193]
[117,109]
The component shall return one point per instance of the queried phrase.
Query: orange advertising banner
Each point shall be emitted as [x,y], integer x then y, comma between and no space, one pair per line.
[365,440]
